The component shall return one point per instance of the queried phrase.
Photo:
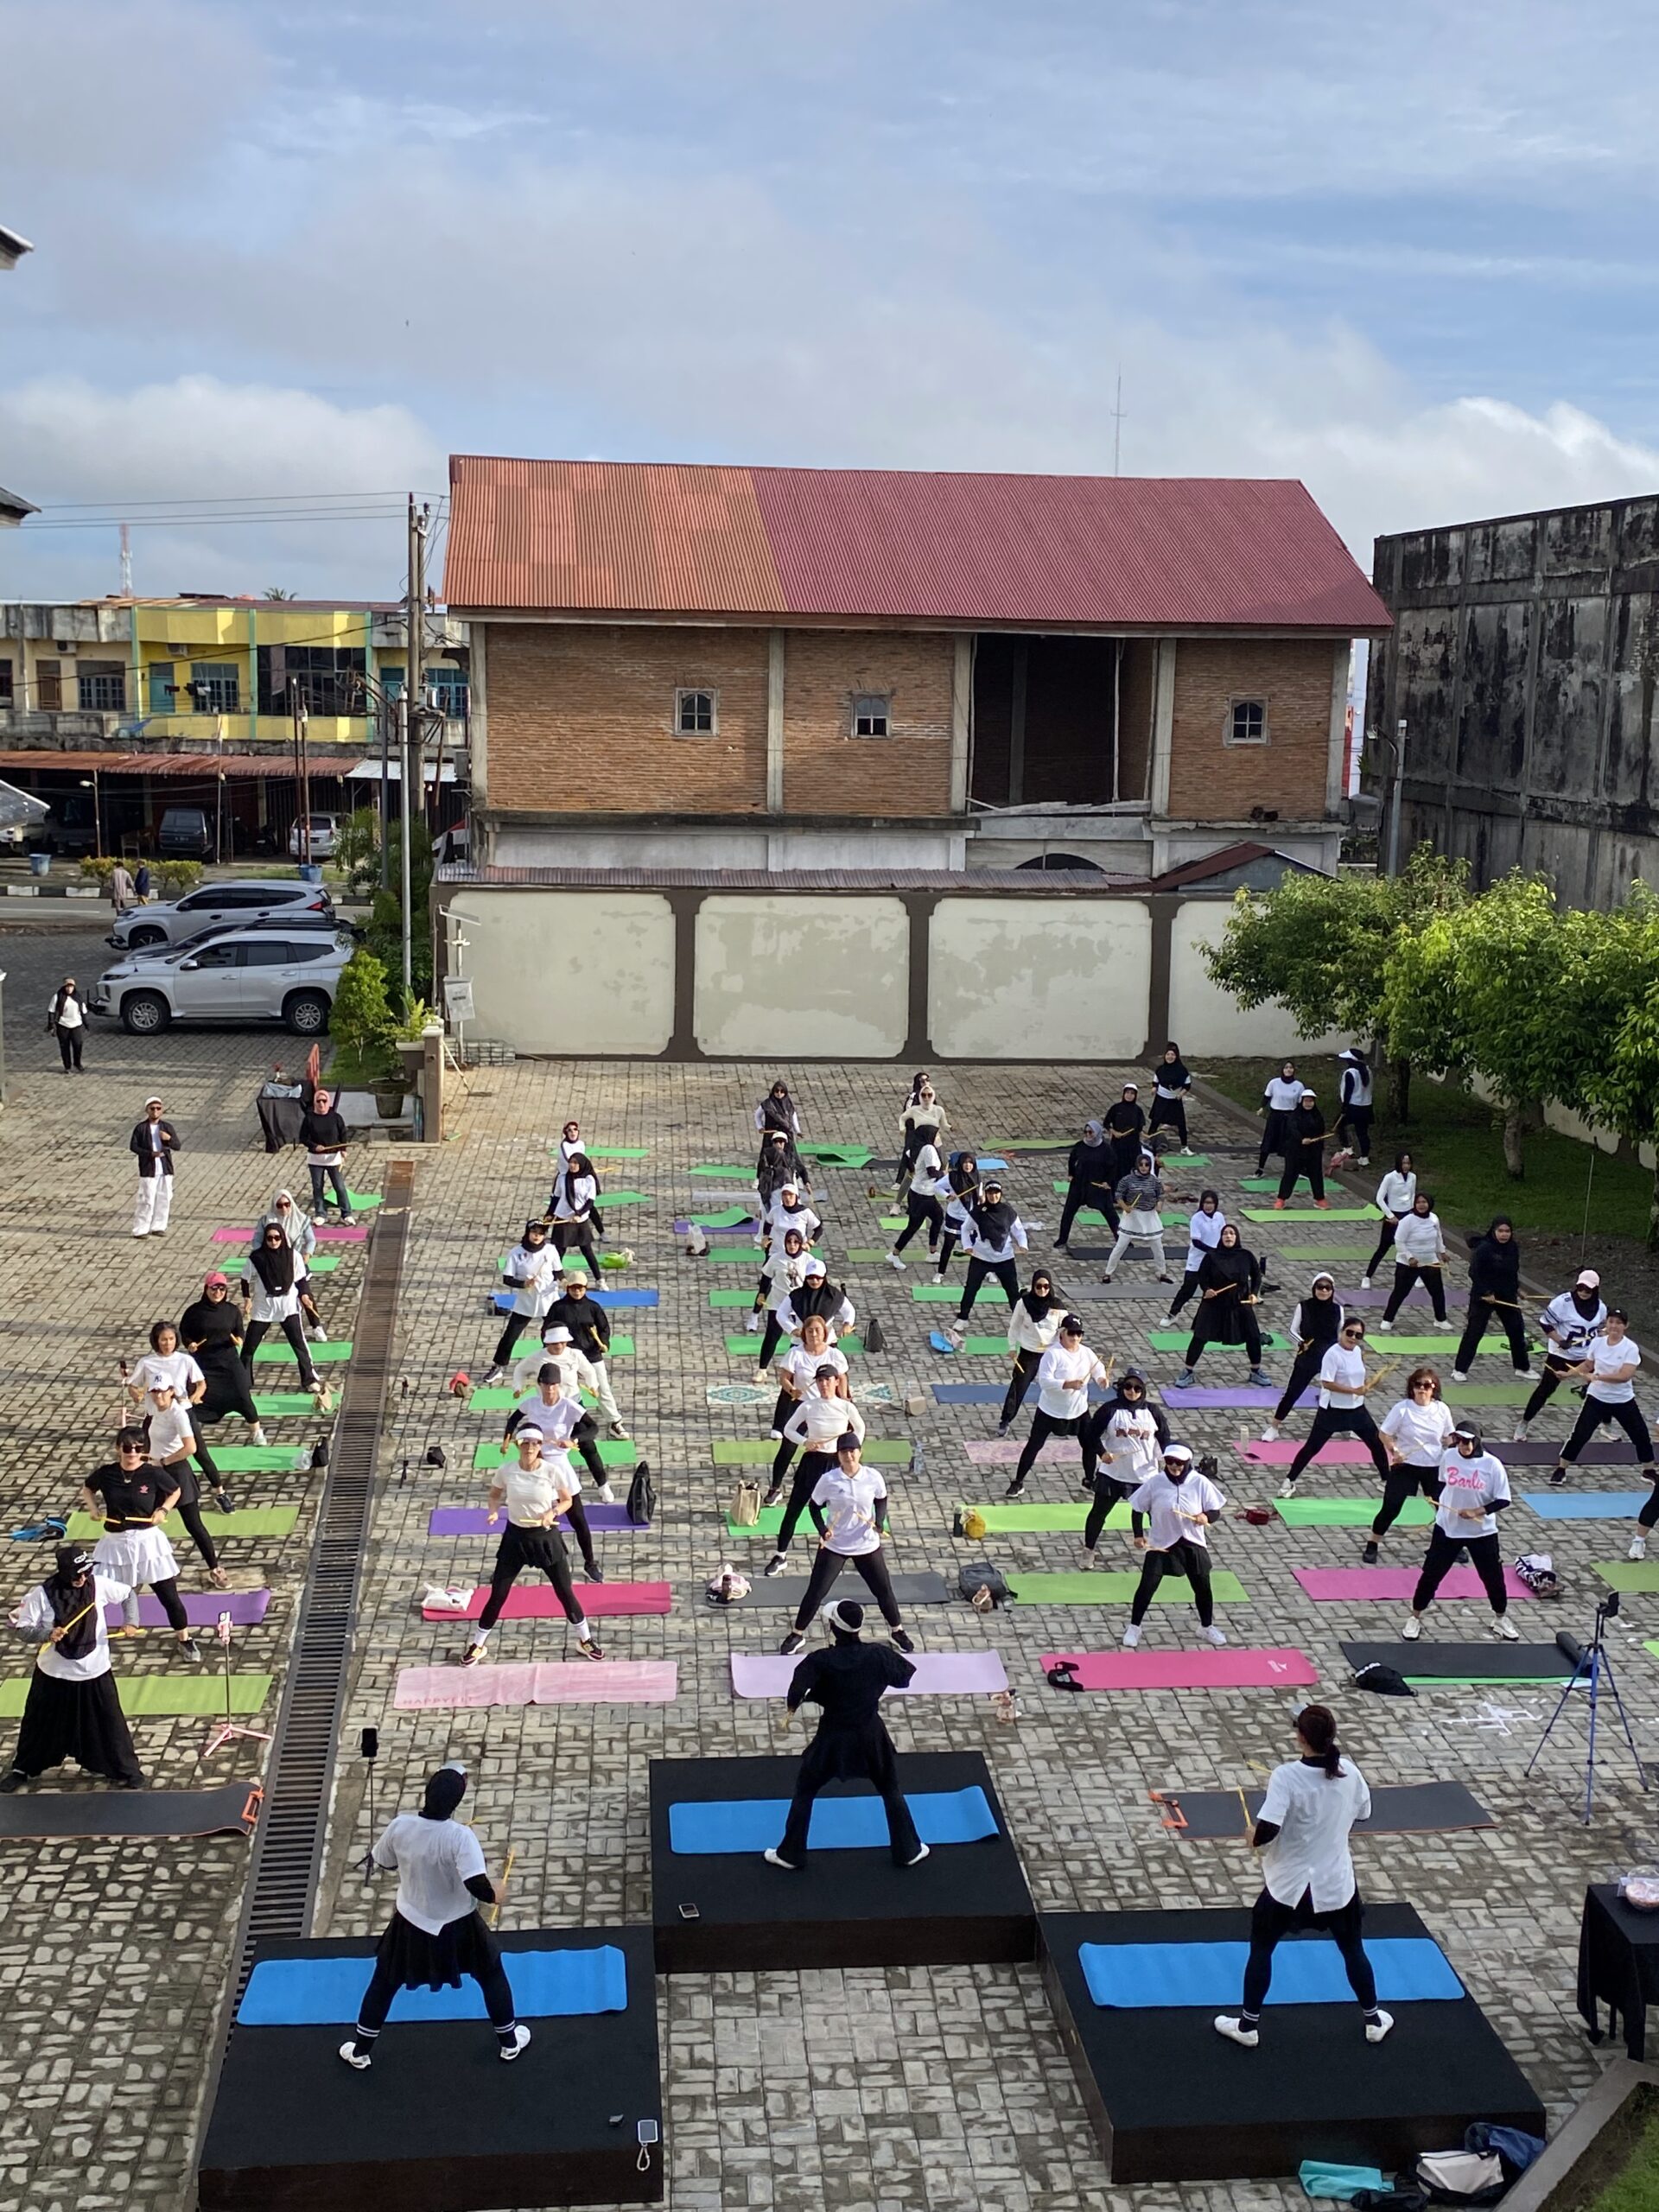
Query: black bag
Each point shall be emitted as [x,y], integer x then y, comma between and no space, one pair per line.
[642,1494]
[876,1337]
[1063,1675]
[1387,1681]
[982,1576]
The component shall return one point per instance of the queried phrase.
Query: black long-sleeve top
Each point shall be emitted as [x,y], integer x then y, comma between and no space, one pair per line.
[847,1682]
[1495,1269]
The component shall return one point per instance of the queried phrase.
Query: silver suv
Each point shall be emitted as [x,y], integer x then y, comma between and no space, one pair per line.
[253,900]
[261,974]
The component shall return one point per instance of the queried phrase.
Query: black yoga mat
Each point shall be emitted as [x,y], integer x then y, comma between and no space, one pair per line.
[1407,1808]
[788,1590]
[39,1810]
[1424,1661]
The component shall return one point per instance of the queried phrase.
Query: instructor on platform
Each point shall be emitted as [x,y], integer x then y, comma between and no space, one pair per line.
[847,1682]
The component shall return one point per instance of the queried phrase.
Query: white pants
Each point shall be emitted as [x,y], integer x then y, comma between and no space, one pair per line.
[1128,1237]
[153,1205]
[604,1396]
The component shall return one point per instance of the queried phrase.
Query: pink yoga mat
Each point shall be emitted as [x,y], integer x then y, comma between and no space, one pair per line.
[1227,1669]
[938,1673]
[578,1682]
[330,1233]
[1328,1585]
[537,1601]
[1003,1450]
[1340,1452]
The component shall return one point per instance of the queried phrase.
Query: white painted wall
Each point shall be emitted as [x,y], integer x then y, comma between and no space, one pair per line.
[1203,1019]
[1014,981]
[804,977]
[568,971]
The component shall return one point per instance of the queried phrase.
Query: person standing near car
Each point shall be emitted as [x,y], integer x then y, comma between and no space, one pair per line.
[66,1019]
[322,1132]
[153,1143]
[122,892]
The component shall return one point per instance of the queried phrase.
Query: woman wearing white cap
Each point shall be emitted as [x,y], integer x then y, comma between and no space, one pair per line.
[1474,1491]
[560,1364]
[849,1507]
[1571,1324]
[153,1143]
[590,1332]
[788,1210]
[548,1409]
[1305,1138]
[1179,1503]
[815,1293]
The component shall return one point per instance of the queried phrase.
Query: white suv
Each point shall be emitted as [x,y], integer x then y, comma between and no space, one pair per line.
[262,974]
[252,901]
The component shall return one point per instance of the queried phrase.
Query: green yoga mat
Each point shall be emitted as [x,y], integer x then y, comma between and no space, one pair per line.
[246,1521]
[1421,1347]
[1348,1512]
[734,1296]
[945,1293]
[162,1696]
[892,1221]
[1024,1519]
[1109,1588]
[837,1155]
[272,1405]
[1481,1393]
[867,1255]
[1640,1576]
[1353,1253]
[502,1400]
[609,1199]
[364,1201]
[260,1459]
[1311,1213]
[613,1451]
[329,1355]
[749,1347]
[614,1151]
[322,1263]
[1267,1183]
[1177,1340]
[733,1217]
[719,1170]
[759,1452]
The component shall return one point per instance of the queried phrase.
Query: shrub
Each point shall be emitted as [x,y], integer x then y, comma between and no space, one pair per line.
[360,1019]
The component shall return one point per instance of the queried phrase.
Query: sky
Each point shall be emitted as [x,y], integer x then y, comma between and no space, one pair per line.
[288,258]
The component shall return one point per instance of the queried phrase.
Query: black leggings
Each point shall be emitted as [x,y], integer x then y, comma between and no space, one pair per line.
[1006,1273]
[1480,1314]
[1024,1369]
[1168,1114]
[1556,1371]
[1303,1369]
[202,1455]
[1043,1426]
[1331,1420]
[1406,1271]
[69,1047]
[1271,1921]
[578,1236]
[190,1515]
[1358,1118]
[1302,1159]
[826,1570]
[1485,1556]
[1183,1557]
[947,1244]
[1086,1198]
[171,1604]
[1404,1482]
[522,1548]
[377,2002]
[925,1208]
[1107,1495]
[1189,1283]
[292,1329]
[1384,1246]
[1595,1413]
[813,1467]
[516,1326]
[1249,1326]
[772,1336]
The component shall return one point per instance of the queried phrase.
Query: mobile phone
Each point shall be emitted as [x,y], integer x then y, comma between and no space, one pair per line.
[690,1912]
[648,2131]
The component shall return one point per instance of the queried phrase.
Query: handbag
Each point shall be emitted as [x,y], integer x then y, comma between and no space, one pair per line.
[746,1505]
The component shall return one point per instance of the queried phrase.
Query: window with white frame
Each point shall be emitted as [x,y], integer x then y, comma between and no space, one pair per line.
[872,713]
[1247,722]
[695,713]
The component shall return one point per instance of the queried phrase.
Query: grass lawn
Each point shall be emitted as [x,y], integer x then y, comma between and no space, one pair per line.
[1457,1151]
[348,1070]
[1637,2190]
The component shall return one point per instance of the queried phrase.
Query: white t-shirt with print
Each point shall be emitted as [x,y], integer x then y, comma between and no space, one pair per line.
[849,1504]
[1470,1482]
[1315,1813]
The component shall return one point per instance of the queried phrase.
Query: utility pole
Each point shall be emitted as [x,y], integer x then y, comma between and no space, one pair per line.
[126,561]
[1397,797]
[413,719]
[1117,424]
[302,765]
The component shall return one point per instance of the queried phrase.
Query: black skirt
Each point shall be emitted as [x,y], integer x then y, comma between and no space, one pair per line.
[417,1961]
[81,1721]
[228,1388]
[861,1752]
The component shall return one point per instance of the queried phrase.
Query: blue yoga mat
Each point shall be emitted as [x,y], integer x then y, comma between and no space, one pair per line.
[326,1992]
[1124,1977]
[970,1394]
[1591,1505]
[698,1828]
[614,1298]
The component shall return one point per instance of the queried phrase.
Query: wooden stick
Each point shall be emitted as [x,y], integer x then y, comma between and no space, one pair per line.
[506,1876]
[1250,1827]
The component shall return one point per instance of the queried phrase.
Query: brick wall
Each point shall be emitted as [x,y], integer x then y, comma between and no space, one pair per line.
[1211,781]
[827,771]
[581,719]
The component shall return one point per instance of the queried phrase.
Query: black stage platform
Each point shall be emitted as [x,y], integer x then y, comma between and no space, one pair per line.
[1171,2101]
[438,2124]
[966,1904]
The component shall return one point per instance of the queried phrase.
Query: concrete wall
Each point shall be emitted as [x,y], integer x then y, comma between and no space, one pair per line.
[1016,980]
[802,977]
[1203,1019]
[567,973]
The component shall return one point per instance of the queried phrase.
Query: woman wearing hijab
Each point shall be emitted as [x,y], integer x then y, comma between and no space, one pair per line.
[211,1330]
[957,1190]
[1416,1434]
[1091,1166]
[847,1682]
[778,1166]
[271,1288]
[777,1111]
[922,1122]
[1123,1124]
[1394,1196]
[165,1362]
[1304,1144]
[1203,1235]
[1128,1433]
[1315,1325]
[435,1935]
[1064,1373]
[66,1019]
[1419,1256]
[296,1225]
[921,1201]
[991,1234]
[1138,1196]
[1173,1087]
[1180,1503]
[1033,1321]
[1281,1094]
[573,1206]
[1230,1282]
[71,1710]
[133,1496]
[1495,1296]
[532,1273]
[1571,1324]
[782,1271]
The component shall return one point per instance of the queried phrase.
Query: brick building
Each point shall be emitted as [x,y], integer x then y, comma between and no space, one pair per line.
[795,669]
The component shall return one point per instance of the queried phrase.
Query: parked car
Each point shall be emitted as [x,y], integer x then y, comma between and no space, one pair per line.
[186,834]
[265,974]
[324,925]
[173,920]
[323,829]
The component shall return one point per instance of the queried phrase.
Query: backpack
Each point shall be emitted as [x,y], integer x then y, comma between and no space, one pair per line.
[642,1494]
[728,1587]
[1387,1681]
[970,1522]
[982,1585]
[746,1505]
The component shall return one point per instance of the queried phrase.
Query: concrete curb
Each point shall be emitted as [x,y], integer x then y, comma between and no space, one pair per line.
[1577,2134]
[51,891]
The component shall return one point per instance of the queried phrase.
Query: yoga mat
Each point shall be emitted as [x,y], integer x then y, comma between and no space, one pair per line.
[1331,1586]
[1177,1340]
[1406,1808]
[732,1217]
[1138,1977]
[837,1155]
[976,1347]
[938,1673]
[1267,1183]
[970,1394]
[1640,1576]
[613,1298]
[711,1827]
[578,1682]
[1473,1393]
[784,1592]
[275,1405]
[1311,1213]
[1348,1512]
[260,1459]
[1204,1669]
[474,1520]
[749,1347]
[609,1199]
[1593,1505]
[329,1355]
[721,1297]
[1004,1451]
[1539,1451]
[1379,1294]
[322,1263]
[202,1608]
[162,1696]
[1114,1589]
[1463,1663]
[613,1451]
[246,1521]
[1025,1517]
[894,1220]
[538,1601]
[1195,1398]
[1034,1144]
[719,1170]
[324,1993]
[1380,1343]
[232,1809]
[1330,1254]
[1339,1452]
[759,1452]
[867,1255]
[327,1233]
[947,1293]
[737,1230]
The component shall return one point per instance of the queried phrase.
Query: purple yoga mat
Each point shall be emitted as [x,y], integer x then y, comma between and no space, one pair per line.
[202,1608]
[1194,1400]
[683,1228]
[938,1673]
[1231,1669]
[474,1520]
[1330,1585]
[1003,1450]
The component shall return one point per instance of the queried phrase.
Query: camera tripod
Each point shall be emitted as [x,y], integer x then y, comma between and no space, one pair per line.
[1594,1666]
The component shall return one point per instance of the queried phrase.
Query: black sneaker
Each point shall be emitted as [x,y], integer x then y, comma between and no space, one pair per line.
[901,1637]
[13,1778]
[222,1502]
[1369,1555]
[1014,1490]
[593,1573]
[1557,1477]
[792,1642]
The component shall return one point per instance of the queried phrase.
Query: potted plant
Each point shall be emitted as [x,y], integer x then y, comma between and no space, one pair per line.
[361,1023]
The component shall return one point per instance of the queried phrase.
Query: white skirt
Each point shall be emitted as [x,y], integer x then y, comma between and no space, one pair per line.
[1141,1221]
[142,1557]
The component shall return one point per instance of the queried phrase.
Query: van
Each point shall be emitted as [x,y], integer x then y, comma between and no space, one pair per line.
[186,834]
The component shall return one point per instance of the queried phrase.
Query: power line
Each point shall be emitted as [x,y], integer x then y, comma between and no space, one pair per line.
[248,499]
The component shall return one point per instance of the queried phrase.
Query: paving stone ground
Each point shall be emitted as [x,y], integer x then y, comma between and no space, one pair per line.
[938,2087]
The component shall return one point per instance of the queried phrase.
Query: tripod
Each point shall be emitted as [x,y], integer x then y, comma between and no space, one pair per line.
[228,1732]
[1594,1664]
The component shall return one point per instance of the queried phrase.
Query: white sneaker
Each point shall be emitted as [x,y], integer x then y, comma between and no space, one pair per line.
[1287,1488]
[1229,2025]
[605,1494]
[938,1278]
[773,1859]
[617,1432]
[1519,1436]
[1445,1327]
[318,1334]
[1460,1375]
[923,1851]
[1638,1548]
[1387,1327]
[256,1437]
[893,1260]
[1131,1636]
[1526,1375]
[1364,1282]
[1504,1629]
[506,2052]
[1375,2030]
[353,2056]
[1413,1628]
[1270,1434]
[1212,1635]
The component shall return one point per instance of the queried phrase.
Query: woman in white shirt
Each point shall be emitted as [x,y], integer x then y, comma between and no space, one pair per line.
[1033,1323]
[1064,1374]
[573,1206]
[957,1190]
[533,1274]
[1415,1432]
[1419,1256]
[1179,1504]
[1302,1831]
[816,1429]
[1608,1372]
[66,1016]
[1474,1491]
[536,1492]
[1342,1410]
[1130,1435]
[849,1511]
[165,1363]
[71,1710]
[922,1121]
[1281,1095]
[783,1270]
[1394,1196]
[1203,1235]
[921,1202]
[272,1288]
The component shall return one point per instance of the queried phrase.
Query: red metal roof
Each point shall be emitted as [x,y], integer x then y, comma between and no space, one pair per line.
[200,764]
[1064,552]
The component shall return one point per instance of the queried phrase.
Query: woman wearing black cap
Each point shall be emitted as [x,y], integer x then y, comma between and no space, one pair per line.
[1313,1329]
[1474,1491]
[1179,1503]
[992,1233]
[1229,1282]
[1064,1375]
[847,1682]
[270,1283]
[1342,1411]
[71,1710]
[434,1934]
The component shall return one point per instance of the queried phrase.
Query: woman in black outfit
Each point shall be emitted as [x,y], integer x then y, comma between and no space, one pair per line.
[1230,1279]
[1494,1295]
[1170,1095]
[778,1163]
[211,1330]
[1124,1124]
[1094,1177]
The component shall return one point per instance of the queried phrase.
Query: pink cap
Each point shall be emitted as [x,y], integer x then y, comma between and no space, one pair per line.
[216,1280]
[1589,1276]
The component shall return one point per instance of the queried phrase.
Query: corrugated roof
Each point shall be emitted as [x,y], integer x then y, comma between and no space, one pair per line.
[179,764]
[968,881]
[1089,552]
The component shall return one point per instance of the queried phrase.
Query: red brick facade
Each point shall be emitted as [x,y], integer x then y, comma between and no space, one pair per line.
[1212,781]
[828,771]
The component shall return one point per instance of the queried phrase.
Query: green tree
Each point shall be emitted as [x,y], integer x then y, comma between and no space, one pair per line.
[1615,985]
[386,929]
[357,847]
[1319,944]
[360,1019]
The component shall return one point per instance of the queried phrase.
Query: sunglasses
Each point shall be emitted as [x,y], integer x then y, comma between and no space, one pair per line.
[1353,1332]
